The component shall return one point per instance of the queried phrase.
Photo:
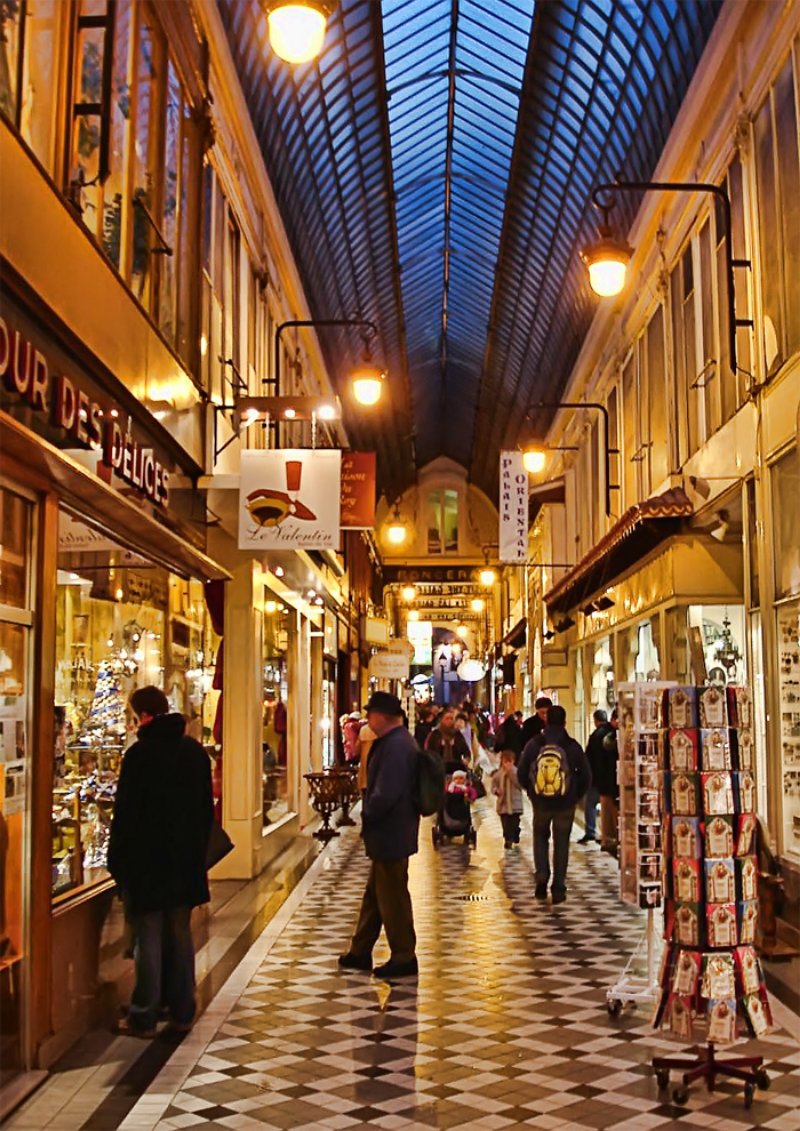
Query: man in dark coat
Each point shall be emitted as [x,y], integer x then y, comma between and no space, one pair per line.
[608,787]
[536,723]
[390,827]
[553,812]
[157,852]
[509,736]
[594,754]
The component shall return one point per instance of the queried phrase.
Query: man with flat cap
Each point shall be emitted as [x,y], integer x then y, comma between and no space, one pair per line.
[390,826]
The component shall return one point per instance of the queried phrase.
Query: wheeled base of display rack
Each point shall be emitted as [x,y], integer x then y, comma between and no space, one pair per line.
[703,1065]
[635,989]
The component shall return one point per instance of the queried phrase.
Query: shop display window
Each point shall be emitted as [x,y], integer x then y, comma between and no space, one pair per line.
[717,643]
[16,619]
[275,638]
[603,690]
[789,684]
[121,623]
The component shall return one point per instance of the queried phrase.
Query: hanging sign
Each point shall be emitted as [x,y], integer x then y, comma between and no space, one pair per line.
[513,508]
[390,665]
[289,498]
[358,491]
[420,634]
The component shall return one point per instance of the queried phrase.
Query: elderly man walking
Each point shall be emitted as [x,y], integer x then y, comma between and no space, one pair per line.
[390,825]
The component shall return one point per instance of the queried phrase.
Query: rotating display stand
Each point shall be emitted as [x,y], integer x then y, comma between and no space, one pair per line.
[710,972]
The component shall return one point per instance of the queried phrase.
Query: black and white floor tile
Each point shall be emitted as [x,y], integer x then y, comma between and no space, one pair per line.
[506,1026]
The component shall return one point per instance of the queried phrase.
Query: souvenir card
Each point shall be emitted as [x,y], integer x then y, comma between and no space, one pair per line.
[720,880]
[722,1021]
[715,749]
[747,878]
[678,1016]
[721,924]
[746,790]
[717,793]
[650,866]
[684,794]
[719,976]
[743,750]
[748,921]
[649,777]
[757,1013]
[719,836]
[712,707]
[687,924]
[649,838]
[686,837]
[649,895]
[649,707]
[686,880]
[649,807]
[749,970]
[746,834]
[683,749]
[686,973]
[682,707]
[650,748]
[740,706]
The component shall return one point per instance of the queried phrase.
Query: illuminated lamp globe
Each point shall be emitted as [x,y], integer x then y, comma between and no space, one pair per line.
[477,604]
[396,530]
[470,671]
[462,631]
[607,263]
[367,384]
[413,614]
[533,460]
[409,593]
[487,577]
[297,28]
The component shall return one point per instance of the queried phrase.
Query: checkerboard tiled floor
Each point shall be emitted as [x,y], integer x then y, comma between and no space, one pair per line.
[506,1026]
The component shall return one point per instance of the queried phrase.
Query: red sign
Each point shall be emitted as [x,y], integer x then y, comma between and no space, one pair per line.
[358,491]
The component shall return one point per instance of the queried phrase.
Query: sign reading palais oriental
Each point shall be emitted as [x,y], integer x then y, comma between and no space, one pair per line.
[358,491]
[289,498]
[513,504]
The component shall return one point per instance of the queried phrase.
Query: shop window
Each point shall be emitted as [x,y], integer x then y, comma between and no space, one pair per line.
[708,379]
[122,623]
[614,461]
[717,644]
[687,368]
[659,431]
[443,522]
[733,386]
[785,493]
[789,692]
[275,643]
[641,651]
[631,454]
[16,619]
[778,179]
[753,543]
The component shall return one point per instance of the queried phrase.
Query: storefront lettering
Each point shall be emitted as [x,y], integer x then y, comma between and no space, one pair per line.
[24,371]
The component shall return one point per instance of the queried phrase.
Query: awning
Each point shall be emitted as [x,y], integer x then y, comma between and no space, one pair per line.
[107,510]
[517,636]
[639,531]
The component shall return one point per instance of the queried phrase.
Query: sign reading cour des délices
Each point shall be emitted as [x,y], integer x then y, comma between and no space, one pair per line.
[24,371]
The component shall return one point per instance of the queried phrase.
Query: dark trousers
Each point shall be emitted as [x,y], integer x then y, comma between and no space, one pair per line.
[560,822]
[590,810]
[164,963]
[510,823]
[387,904]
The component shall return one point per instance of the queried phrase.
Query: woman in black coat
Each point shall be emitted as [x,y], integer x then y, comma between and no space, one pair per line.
[157,852]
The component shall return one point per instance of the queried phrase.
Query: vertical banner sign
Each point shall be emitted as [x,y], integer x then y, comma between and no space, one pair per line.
[358,491]
[513,508]
[289,498]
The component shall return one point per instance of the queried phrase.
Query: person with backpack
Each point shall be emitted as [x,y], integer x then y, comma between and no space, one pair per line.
[555,772]
[390,828]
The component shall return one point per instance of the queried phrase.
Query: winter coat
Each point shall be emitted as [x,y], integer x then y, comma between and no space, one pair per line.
[389,817]
[594,749]
[452,749]
[162,819]
[509,736]
[530,728]
[581,775]
[505,787]
[605,775]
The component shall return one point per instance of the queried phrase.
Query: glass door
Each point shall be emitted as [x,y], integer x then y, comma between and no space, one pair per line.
[16,619]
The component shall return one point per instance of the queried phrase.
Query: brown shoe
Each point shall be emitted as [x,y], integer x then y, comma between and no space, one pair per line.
[125,1028]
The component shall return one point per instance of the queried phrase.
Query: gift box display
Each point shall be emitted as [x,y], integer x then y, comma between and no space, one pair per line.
[710,974]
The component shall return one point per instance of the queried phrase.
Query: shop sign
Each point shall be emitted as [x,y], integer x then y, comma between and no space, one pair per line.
[433,575]
[374,630]
[513,508]
[420,634]
[390,665]
[25,371]
[358,491]
[289,499]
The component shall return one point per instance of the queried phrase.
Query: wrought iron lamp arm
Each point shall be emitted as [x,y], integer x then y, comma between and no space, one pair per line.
[276,372]
[601,408]
[600,199]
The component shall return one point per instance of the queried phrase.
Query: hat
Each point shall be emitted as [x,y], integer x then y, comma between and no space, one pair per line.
[384,704]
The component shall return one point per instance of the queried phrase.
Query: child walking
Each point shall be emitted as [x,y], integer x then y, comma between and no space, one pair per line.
[505,787]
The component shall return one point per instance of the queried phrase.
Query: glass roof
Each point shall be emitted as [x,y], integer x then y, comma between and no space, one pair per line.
[434,170]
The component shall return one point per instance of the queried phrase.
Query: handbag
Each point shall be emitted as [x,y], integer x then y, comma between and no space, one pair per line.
[219,844]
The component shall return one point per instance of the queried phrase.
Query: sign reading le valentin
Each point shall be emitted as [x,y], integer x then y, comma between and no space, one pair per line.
[24,370]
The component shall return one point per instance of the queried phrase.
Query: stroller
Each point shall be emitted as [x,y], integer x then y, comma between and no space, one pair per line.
[454,817]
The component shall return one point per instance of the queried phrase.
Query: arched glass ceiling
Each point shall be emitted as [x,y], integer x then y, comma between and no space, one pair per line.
[434,171]
[454,73]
